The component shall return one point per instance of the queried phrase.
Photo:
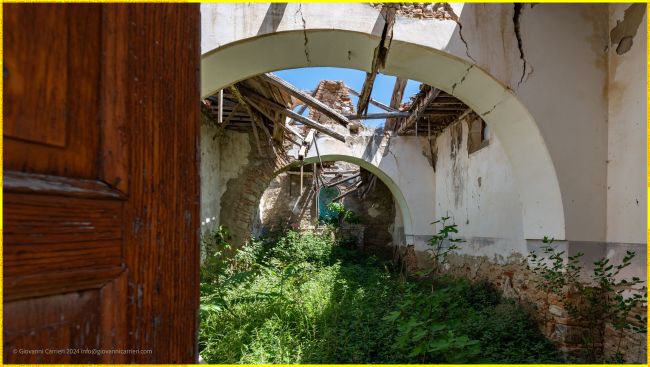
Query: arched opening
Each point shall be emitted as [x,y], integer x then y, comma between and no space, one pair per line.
[539,191]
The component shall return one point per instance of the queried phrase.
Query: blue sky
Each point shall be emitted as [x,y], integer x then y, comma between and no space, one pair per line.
[308,78]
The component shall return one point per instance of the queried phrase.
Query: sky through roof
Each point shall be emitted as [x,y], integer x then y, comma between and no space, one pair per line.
[308,78]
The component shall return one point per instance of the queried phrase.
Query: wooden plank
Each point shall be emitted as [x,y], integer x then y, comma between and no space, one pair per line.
[277,122]
[231,115]
[161,245]
[396,100]
[34,183]
[306,98]
[379,58]
[305,120]
[306,144]
[343,180]
[419,107]
[356,187]
[379,116]
[372,102]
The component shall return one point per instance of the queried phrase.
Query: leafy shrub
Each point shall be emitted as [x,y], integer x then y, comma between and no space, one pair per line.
[604,298]
[343,214]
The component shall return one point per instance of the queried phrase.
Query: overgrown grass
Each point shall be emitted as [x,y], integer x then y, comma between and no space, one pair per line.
[304,299]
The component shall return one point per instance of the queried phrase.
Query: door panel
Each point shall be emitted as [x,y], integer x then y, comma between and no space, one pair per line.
[100,182]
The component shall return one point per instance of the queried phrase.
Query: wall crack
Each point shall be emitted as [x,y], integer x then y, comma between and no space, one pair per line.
[516,19]
[453,87]
[304,32]
[456,19]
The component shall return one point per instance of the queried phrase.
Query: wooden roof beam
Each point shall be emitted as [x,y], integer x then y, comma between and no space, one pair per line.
[419,107]
[372,102]
[379,58]
[287,112]
[277,123]
[396,100]
[306,98]
[343,180]
[379,116]
[356,187]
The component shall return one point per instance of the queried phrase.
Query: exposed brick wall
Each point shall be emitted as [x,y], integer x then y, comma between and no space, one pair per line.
[283,205]
[441,11]
[240,201]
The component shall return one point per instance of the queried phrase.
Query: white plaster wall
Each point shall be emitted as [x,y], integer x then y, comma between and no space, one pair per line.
[222,158]
[565,95]
[210,178]
[488,214]
[627,170]
[563,89]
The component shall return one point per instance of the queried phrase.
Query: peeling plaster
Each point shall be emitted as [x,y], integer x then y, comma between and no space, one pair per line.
[623,34]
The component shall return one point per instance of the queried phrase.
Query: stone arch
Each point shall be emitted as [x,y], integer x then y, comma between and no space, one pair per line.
[539,191]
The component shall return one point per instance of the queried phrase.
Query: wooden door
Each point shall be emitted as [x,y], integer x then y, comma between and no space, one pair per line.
[100,183]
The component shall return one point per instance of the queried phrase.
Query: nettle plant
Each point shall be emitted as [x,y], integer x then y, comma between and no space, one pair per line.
[441,245]
[604,298]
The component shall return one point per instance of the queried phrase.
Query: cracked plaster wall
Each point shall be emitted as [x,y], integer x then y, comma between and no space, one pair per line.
[626,157]
[562,47]
[478,192]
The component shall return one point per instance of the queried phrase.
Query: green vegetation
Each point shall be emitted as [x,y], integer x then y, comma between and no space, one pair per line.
[340,214]
[303,298]
[606,298]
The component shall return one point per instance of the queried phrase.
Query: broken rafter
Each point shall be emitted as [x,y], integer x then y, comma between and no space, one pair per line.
[356,187]
[379,58]
[306,98]
[372,101]
[379,116]
[396,100]
[231,115]
[235,91]
[277,123]
[331,184]
[419,107]
[305,120]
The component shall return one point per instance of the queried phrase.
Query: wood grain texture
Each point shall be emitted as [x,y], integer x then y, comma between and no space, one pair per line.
[56,185]
[44,83]
[104,231]
[78,117]
[114,137]
[69,327]
[162,214]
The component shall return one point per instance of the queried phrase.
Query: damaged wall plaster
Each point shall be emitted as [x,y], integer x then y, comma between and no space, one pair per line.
[626,144]
[622,35]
